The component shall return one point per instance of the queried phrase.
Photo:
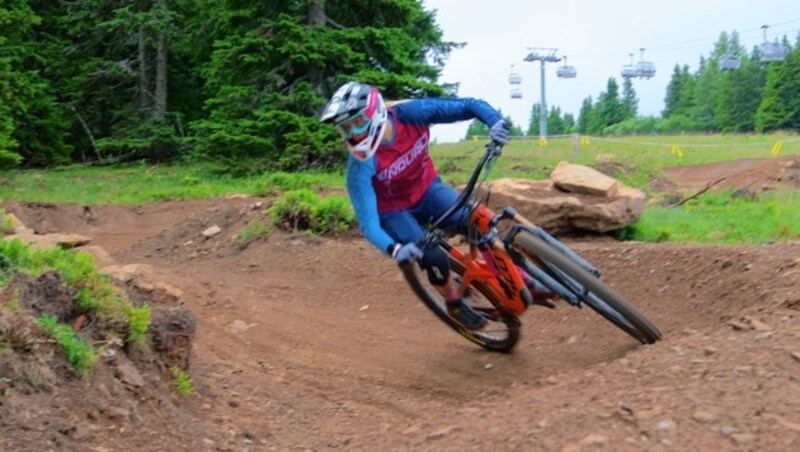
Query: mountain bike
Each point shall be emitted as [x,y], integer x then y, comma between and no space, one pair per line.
[489,276]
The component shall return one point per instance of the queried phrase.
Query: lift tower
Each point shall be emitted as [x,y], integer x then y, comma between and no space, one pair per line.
[542,55]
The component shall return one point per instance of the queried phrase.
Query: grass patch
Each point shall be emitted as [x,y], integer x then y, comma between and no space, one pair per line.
[252,230]
[81,355]
[95,293]
[6,226]
[182,381]
[637,160]
[139,183]
[138,322]
[722,218]
[642,157]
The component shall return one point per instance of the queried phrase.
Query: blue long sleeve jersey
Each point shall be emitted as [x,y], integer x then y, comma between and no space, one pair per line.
[396,158]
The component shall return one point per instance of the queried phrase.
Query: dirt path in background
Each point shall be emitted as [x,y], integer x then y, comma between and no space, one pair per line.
[755,174]
[315,343]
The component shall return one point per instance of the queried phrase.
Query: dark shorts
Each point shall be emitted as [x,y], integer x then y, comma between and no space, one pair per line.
[405,226]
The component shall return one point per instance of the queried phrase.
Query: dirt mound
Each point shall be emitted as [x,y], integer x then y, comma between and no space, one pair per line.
[318,343]
[47,399]
[757,174]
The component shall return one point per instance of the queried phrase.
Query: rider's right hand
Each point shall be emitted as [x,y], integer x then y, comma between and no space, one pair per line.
[406,253]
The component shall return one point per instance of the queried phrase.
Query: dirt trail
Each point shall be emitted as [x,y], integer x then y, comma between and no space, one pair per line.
[315,343]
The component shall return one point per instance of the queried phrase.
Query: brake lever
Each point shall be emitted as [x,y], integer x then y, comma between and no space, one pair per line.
[430,241]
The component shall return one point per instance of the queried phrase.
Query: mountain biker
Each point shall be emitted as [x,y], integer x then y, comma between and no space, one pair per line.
[392,182]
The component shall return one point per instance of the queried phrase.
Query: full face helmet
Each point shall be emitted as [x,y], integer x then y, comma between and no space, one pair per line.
[359,113]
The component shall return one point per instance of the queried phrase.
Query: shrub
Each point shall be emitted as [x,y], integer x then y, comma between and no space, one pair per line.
[9,159]
[294,210]
[333,214]
[304,210]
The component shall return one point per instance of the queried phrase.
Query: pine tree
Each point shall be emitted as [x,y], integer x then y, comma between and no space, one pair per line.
[630,103]
[536,117]
[674,92]
[477,129]
[706,93]
[780,105]
[585,116]
[609,108]
[32,128]
[276,64]
[555,123]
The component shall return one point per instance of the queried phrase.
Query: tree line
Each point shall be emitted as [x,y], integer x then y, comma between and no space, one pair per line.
[758,97]
[240,82]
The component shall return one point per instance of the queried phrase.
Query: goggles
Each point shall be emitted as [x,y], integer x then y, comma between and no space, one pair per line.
[354,125]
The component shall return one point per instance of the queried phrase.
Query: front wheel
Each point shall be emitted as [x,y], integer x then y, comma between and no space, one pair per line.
[500,334]
[594,293]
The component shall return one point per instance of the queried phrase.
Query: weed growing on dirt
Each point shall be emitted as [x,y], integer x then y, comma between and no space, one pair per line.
[94,293]
[182,381]
[6,272]
[253,230]
[12,305]
[300,210]
[138,322]
[5,223]
[721,217]
[80,354]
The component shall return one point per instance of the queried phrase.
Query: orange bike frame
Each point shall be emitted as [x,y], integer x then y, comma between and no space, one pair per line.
[506,281]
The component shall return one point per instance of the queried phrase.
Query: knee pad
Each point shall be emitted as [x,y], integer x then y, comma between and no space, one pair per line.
[436,264]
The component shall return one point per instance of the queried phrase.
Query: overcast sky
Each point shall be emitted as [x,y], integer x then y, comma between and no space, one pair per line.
[597,37]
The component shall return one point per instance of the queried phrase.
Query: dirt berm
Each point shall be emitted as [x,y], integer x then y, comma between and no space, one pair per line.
[317,343]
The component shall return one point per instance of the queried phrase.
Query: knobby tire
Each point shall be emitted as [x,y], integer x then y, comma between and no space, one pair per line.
[553,261]
[433,301]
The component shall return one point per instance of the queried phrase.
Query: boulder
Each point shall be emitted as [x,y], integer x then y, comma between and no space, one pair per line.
[47,241]
[583,179]
[143,278]
[166,293]
[558,212]
[101,257]
[141,275]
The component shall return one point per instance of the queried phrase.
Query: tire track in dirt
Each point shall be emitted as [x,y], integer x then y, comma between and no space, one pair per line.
[287,355]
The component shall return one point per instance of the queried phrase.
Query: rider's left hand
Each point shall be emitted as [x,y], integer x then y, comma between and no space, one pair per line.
[500,132]
[406,253]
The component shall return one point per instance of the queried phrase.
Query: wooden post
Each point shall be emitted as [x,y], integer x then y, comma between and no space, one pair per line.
[576,147]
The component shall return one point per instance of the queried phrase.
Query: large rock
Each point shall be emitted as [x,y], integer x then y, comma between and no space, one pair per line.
[583,179]
[143,278]
[47,241]
[101,257]
[557,211]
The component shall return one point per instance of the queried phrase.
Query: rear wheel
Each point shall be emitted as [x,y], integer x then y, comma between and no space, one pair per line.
[501,332]
[594,293]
